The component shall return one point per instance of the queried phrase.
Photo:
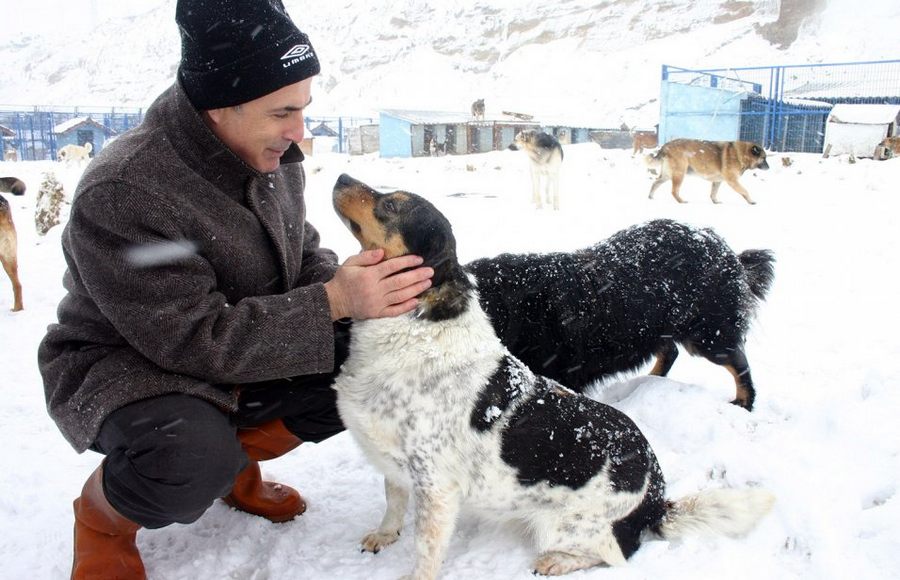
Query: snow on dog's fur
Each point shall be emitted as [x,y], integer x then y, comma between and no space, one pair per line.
[449,417]
[582,316]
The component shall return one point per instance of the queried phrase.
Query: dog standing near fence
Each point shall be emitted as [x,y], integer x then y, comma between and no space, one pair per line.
[75,153]
[714,161]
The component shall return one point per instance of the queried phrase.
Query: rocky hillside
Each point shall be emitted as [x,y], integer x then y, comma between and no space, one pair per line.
[591,58]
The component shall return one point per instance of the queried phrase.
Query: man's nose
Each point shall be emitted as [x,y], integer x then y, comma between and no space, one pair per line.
[297,130]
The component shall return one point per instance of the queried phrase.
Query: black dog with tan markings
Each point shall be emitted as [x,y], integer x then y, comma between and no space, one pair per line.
[714,161]
[447,414]
[582,316]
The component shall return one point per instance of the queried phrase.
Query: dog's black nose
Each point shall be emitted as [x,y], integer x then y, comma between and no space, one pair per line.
[345,179]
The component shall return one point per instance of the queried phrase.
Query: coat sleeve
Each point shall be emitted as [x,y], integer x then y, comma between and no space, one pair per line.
[319,264]
[168,307]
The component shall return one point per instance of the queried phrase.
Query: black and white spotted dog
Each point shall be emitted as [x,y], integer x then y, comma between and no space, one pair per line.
[581,316]
[444,411]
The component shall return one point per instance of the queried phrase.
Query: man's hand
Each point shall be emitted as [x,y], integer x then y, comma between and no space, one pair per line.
[367,287]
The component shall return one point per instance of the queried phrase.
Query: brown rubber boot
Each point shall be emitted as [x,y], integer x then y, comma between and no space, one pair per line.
[273,501]
[104,539]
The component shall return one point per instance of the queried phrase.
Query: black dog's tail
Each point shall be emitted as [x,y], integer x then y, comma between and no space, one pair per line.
[759,265]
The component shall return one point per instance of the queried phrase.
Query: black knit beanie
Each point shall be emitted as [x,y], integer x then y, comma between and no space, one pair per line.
[234,51]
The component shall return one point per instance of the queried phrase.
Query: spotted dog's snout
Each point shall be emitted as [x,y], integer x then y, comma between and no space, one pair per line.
[353,203]
[369,215]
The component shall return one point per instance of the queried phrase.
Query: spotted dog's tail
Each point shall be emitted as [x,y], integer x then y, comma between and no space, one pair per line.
[728,512]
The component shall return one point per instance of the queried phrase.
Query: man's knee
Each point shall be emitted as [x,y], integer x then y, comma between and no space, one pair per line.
[174,469]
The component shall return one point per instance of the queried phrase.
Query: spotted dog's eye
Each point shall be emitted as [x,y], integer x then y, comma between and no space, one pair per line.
[389,205]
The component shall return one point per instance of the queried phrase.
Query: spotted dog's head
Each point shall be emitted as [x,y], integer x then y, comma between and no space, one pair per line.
[405,223]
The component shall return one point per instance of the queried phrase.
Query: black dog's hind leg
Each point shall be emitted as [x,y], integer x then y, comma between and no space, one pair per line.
[665,358]
[736,363]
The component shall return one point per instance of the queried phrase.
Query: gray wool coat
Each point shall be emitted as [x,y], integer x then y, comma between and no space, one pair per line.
[188,272]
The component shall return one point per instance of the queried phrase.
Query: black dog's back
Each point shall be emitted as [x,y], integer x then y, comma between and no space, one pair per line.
[581,316]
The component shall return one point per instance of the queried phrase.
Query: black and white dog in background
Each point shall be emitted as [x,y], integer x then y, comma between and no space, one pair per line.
[443,410]
[545,157]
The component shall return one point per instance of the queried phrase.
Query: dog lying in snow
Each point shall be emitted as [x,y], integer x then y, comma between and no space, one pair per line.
[449,416]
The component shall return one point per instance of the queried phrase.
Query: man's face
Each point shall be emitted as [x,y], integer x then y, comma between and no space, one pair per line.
[261,130]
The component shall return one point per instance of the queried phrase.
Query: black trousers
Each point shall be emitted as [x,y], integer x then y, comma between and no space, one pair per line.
[168,458]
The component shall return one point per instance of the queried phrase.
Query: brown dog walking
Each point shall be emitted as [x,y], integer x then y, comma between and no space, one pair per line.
[715,161]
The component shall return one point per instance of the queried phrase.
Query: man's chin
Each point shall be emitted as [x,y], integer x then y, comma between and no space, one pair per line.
[268,164]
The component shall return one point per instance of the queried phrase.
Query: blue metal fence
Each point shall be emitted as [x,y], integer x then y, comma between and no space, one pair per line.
[35,140]
[340,125]
[783,107]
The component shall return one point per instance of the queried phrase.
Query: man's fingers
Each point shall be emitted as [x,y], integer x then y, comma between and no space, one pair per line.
[394,265]
[404,279]
[409,291]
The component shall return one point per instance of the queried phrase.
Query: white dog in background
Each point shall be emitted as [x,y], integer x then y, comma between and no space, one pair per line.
[546,155]
[75,153]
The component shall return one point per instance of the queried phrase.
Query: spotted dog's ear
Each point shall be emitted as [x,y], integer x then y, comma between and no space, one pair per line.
[428,233]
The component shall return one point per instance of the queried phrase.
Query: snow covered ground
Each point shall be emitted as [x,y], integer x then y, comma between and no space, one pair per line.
[824,437]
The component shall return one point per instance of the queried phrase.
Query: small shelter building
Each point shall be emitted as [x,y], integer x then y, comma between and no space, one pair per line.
[858,129]
[81,130]
[404,133]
